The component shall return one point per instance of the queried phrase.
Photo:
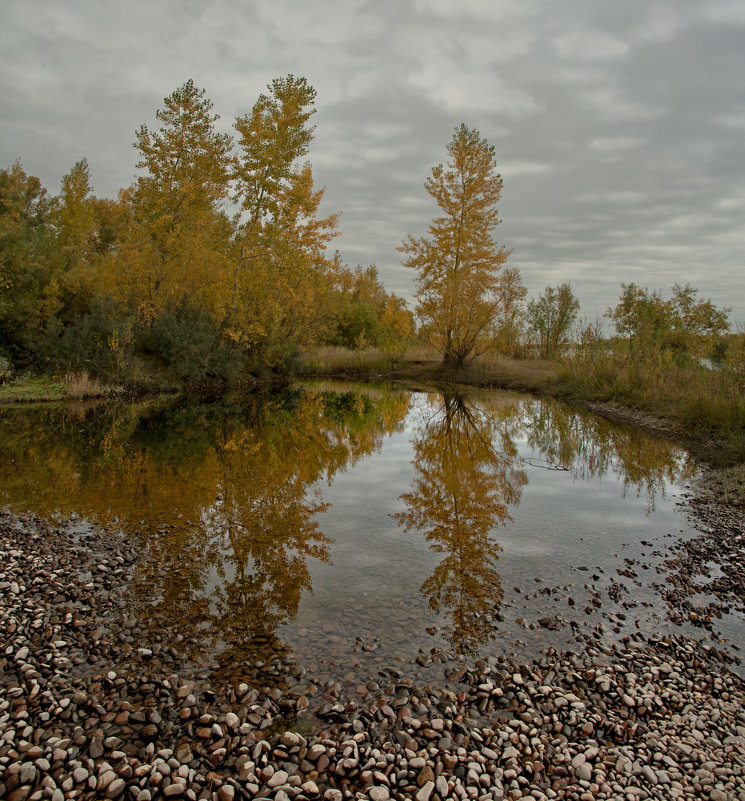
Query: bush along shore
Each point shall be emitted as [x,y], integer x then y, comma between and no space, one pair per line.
[89,712]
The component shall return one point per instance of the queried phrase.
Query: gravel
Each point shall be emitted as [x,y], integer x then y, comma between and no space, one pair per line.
[87,711]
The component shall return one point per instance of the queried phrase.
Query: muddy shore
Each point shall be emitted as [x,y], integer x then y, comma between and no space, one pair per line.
[88,711]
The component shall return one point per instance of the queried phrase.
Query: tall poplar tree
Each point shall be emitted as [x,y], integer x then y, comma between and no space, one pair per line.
[281,274]
[178,233]
[457,264]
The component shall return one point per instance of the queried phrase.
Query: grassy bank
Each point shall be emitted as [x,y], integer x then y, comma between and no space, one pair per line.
[702,404]
[703,409]
[73,386]
[423,364]
[706,406]
[29,389]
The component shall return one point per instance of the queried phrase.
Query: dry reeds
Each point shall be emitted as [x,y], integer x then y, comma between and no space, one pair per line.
[79,386]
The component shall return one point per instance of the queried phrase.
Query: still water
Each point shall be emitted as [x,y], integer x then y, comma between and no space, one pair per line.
[350,531]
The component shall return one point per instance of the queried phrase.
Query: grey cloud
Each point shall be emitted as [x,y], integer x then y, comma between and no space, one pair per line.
[618,127]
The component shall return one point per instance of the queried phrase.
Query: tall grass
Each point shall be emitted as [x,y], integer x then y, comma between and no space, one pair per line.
[74,386]
[706,401]
[533,375]
[80,385]
[423,363]
[335,360]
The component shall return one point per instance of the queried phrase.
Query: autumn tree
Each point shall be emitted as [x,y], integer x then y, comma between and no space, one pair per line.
[362,301]
[87,233]
[281,271]
[51,248]
[26,236]
[87,229]
[457,264]
[637,316]
[509,323]
[679,327]
[368,315]
[550,319]
[176,249]
[395,329]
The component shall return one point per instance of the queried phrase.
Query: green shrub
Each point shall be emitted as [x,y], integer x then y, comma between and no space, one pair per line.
[6,369]
[190,344]
[98,343]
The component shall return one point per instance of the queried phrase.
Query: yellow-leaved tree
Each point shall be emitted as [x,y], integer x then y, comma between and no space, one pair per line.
[395,329]
[457,264]
[86,232]
[282,275]
[175,250]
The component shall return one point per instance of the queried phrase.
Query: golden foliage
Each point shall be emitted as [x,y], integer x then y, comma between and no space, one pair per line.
[175,245]
[457,264]
[282,276]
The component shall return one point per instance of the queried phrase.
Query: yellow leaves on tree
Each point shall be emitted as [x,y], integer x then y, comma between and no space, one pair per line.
[175,248]
[282,275]
[25,269]
[396,329]
[457,264]
[508,320]
[86,228]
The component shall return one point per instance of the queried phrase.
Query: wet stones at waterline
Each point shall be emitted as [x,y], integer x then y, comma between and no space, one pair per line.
[87,711]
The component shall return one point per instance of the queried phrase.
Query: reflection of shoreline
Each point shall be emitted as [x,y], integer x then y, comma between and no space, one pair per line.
[239,474]
[590,446]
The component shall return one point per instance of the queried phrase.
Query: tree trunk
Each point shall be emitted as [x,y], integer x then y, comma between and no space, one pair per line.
[454,360]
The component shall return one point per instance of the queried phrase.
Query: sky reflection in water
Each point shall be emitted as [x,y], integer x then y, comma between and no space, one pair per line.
[348,528]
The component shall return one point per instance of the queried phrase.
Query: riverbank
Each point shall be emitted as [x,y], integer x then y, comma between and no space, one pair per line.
[720,448]
[88,710]
[686,406]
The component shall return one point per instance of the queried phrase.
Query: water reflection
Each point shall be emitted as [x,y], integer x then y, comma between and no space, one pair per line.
[219,499]
[223,501]
[467,473]
[592,447]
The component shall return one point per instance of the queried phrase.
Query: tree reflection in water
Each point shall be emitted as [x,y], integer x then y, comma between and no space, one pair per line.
[467,473]
[263,529]
[217,499]
[220,500]
[592,447]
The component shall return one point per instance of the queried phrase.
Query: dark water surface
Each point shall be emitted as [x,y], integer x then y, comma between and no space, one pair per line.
[340,531]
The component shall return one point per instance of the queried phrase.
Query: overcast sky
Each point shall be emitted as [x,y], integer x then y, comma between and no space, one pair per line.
[619,127]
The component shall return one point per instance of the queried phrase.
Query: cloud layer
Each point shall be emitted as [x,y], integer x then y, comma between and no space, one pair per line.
[619,128]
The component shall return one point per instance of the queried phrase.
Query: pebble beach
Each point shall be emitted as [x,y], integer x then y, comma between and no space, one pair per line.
[89,711]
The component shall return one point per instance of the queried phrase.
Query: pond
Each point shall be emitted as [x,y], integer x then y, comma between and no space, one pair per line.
[346,533]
